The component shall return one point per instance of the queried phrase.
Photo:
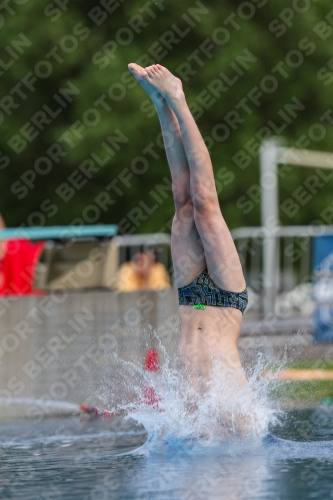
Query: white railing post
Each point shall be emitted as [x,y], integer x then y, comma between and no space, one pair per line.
[269,221]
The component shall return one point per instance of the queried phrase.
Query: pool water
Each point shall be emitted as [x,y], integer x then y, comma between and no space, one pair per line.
[98,459]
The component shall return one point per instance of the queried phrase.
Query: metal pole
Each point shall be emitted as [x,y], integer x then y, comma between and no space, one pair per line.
[269,221]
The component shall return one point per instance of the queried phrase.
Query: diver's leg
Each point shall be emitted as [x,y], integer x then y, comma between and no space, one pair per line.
[186,246]
[187,250]
[220,252]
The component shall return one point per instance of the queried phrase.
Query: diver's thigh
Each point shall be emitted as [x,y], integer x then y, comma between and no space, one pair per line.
[221,256]
[187,250]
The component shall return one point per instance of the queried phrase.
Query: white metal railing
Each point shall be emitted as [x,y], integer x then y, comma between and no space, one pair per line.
[271,156]
[129,245]
[61,261]
[97,247]
[292,250]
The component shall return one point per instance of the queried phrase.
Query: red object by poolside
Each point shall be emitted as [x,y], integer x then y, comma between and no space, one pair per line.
[93,410]
[152,364]
[17,267]
[149,395]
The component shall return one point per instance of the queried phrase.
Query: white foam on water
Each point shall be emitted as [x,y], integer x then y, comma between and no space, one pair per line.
[222,411]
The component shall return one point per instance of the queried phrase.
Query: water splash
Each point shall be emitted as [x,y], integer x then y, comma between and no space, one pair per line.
[171,408]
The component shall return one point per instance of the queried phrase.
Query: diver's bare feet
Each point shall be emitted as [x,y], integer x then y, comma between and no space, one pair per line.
[143,78]
[168,85]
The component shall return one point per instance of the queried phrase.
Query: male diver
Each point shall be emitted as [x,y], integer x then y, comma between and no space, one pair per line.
[208,273]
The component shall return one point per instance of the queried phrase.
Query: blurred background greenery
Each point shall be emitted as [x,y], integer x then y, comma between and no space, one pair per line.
[247,41]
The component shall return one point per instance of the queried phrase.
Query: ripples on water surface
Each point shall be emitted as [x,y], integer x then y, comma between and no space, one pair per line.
[81,458]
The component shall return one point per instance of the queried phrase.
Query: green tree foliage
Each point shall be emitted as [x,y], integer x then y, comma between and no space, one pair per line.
[249,69]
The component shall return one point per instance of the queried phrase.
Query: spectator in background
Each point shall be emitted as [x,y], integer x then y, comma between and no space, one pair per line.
[142,272]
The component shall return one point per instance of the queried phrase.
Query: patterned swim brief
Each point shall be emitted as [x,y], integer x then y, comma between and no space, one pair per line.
[204,291]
